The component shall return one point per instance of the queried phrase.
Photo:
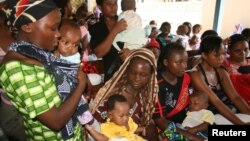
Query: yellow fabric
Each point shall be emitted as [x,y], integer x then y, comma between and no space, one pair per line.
[111,130]
[197,117]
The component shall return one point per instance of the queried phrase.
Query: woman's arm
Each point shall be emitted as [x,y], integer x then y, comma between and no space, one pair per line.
[104,47]
[198,128]
[56,118]
[232,93]
[200,85]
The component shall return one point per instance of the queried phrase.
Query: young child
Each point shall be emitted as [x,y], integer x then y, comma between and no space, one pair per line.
[153,33]
[68,50]
[134,36]
[194,41]
[69,42]
[119,125]
[148,28]
[154,46]
[181,36]
[198,117]
[196,29]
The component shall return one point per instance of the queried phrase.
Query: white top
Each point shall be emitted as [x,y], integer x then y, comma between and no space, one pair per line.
[134,36]
[183,40]
[75,58]
[198,117]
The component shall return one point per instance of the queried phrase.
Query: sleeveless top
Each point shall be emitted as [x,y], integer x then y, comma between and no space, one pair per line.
[219,91]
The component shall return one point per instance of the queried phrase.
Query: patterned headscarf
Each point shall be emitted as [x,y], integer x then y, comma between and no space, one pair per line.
[21,12]
[148,94]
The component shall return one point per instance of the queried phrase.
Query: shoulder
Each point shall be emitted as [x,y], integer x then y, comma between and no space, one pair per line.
[194,74]
[98,25]
[222,72]
[13,56]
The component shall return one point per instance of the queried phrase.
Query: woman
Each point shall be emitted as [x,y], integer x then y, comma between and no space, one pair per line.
[32,77]
[103,34]
[238,66]
[174,86]
[214,81]
[164,37]
[136,80]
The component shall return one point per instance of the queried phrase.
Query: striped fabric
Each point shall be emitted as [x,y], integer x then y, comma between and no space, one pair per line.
[32,91]
[148,94]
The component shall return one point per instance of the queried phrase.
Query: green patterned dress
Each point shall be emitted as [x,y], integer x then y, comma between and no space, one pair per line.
[32,91]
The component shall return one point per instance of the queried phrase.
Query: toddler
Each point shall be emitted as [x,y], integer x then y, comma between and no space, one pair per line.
[134,36]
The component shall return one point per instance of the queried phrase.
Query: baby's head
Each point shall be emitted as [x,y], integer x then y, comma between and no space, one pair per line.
[198,101]
[70,38]
[154,46]
[196,29]
[128,5]
[182,30]
[118,109]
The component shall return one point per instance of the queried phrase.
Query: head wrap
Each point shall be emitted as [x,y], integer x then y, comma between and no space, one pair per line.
[148,94]
[21,12]
[153,43]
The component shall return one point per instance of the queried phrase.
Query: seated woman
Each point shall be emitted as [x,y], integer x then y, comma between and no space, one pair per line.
[213,80]
[238,66]
[173,93]
[136,80]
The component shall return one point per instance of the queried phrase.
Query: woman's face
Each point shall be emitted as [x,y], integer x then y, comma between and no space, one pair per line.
[215,59]
[239,51]
[166,29]
[177,63]
[109,8]
[44,32]
[139,73]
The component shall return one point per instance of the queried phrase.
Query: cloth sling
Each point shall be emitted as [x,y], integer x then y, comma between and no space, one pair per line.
[65,76]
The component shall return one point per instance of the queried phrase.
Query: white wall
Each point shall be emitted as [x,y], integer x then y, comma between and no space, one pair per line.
[234,12]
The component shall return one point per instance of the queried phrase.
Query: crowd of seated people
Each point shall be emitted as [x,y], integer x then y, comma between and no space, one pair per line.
[68,71]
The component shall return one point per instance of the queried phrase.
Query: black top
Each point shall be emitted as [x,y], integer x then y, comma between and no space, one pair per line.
[99,31]
[168,95]
[219,91]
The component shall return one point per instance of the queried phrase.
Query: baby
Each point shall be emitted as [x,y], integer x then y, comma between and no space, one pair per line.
[68,50]
[198,117]
[134,36]
[181,36]
[69,42]
[119,125]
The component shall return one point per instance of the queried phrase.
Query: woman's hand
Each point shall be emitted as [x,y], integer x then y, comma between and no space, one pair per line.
[81,76]
[124,53]
[120,26]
